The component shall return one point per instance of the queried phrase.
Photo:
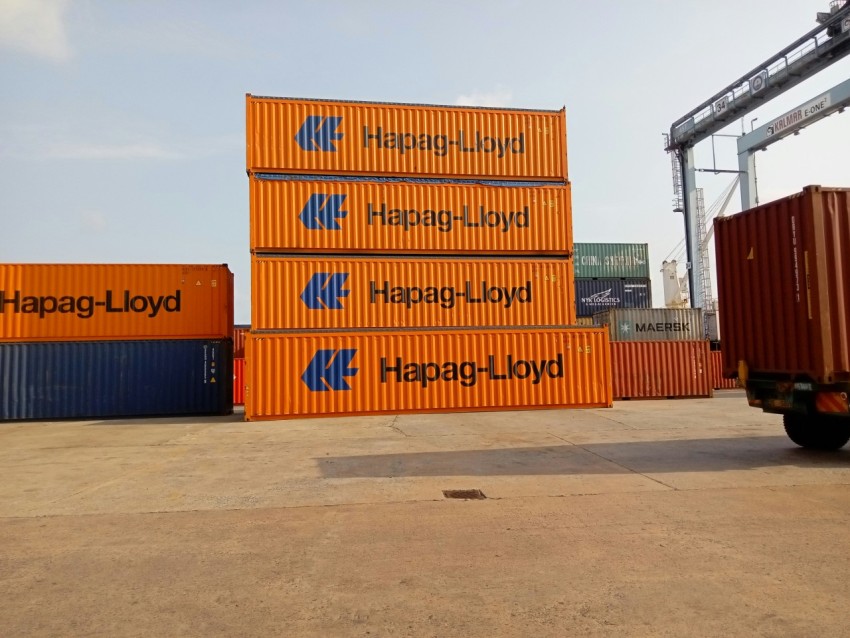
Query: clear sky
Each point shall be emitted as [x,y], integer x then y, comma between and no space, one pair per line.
[122,123]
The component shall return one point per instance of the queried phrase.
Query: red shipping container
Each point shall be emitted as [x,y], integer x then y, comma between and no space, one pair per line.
[239,333]
[718,381]
[239,381]
[783,272]
[660,369]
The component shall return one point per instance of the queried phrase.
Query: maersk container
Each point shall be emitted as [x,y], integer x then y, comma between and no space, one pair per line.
[783,273]
[301,293]
[661,369]
[335,374]
[328,137]
[611,261]
[71,302]
[112,379]
[596,295]
[347,216]
[652,324]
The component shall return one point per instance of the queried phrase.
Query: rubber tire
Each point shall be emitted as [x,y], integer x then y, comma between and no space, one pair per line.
[817,432]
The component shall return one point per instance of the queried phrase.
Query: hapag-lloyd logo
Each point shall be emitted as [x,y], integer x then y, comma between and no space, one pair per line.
[602,298]
[320,132]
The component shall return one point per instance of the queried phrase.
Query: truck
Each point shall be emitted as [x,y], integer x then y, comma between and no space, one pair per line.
[784,296]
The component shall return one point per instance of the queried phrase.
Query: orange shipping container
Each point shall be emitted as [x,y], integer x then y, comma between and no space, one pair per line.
[239,333]
[325,137]
[718,381]
[298,215]
[298,375]
[660,369]
[295,293]
[71,302]
[238,381]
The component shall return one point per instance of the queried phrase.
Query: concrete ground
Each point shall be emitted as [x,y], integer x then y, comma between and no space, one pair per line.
[655,518]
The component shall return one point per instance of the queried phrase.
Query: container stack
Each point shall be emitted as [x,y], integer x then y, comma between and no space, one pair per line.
[107,341]
[609,276]
[389,276]
[658,353]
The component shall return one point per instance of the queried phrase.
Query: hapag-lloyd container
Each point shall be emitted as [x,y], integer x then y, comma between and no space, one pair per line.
[67,302]
[660,369]
[109,379]
[300,215]
[611,261]
[298,375]
[321,137]
[783,273]
[597,295]
[652,324]
[300,293]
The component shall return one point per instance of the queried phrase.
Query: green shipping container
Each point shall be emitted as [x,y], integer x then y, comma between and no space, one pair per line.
[611,261]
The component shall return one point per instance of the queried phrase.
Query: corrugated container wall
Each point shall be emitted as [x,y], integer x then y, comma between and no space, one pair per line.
[238,381]
[661,369]
[319,137]
[596,295]
[718,381]
[783,272]
[652,324]
[239,333]
[68,302]
[108,379]
[611,261]
[297,375]
[299,215]
[290,293]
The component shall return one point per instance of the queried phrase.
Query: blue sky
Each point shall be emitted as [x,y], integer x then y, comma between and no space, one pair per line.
[122,123]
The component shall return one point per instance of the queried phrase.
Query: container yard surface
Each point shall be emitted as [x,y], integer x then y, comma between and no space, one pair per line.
[306,293]
[71,302]
[672,518]
[319,137]
[346,216]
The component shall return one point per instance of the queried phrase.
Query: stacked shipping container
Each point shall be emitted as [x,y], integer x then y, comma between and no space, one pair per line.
[384,279]
[611,276]
[95,341]
[658,353]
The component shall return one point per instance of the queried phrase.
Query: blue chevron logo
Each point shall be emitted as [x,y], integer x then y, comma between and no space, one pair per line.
[324,291]
[318,133]
[328,369]
[321,212]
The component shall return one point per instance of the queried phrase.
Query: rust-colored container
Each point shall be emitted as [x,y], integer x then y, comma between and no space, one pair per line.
[299,375]
[70,302]
[660,369]
[238,381]
[298,215]
[239,333]
[325,137]
[718,381]
[783,273]
[300,293]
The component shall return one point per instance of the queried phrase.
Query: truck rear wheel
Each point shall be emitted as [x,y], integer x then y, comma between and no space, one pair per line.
[817,432]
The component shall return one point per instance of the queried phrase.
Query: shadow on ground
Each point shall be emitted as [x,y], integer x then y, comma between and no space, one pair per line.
[693,455]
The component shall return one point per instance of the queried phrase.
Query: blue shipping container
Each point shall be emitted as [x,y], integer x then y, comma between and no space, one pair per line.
[598,295]
[100,379]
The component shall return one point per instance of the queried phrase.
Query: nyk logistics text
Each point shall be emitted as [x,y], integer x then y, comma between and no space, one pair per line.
[84,306]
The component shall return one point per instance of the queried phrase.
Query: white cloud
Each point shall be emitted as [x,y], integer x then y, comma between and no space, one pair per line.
[36,27]
[112,152]
[501,96]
